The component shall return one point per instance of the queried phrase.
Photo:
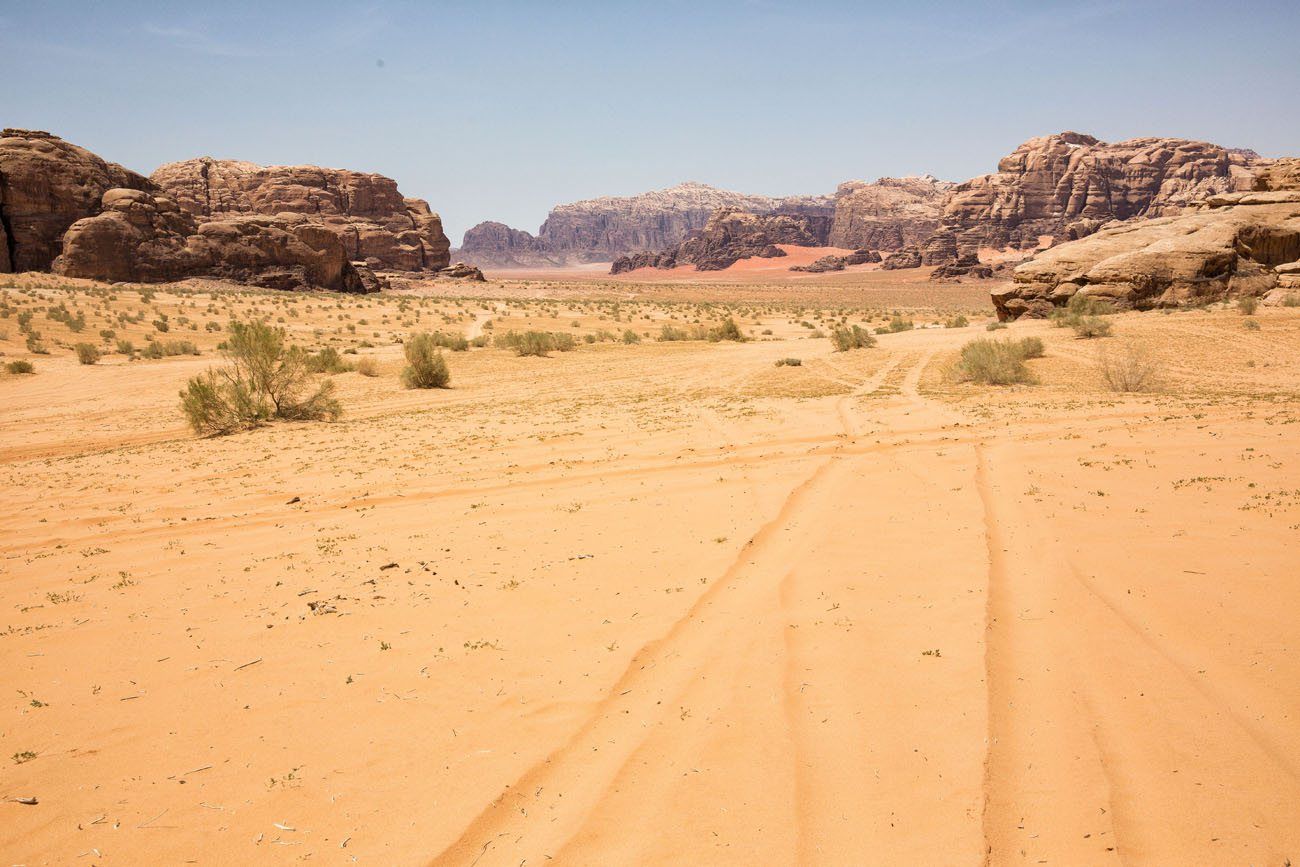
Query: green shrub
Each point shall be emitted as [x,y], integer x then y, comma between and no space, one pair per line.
[789,362]
[125,347]
[995,326]
[265,379]
[1291,300]
[425,366]
[327,360]
[898,323]
[167,348]
[87,353]
[727,330]
[1086,305]
[630,337]
[20,367]
[1250,324]
[367,367]
[857,337]
[957,321]
[1088,327]
[1247,304]
[34,344]
[996,362]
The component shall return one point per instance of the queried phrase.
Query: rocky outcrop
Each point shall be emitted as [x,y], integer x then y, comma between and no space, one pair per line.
[1049,183]
[838,263]
[968,266]
[145,238]
[889,214]
[372,219]
[46,185]
[496,245]
[1236,244]
[461,271]
[730,235]
[1283,174]
[908,258]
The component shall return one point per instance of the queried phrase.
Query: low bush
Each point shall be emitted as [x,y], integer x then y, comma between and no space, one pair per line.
[125,347]
[1250,324]
[1247,304]
[995,326]
[726,330]
[20,367]
[87,353]
[1088,327]
[957,321]
[327,360]
[789,362]
[367,367]
[1291,300]
[630,337]
[1130,368]
[168,348]
[856,337]
[425,366]
[997,362]
[265,379]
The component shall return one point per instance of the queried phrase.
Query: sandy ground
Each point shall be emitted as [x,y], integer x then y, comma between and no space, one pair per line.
[663,603]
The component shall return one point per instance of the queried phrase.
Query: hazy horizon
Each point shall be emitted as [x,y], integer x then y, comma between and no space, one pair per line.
[499,111]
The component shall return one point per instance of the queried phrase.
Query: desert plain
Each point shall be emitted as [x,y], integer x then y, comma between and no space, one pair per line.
[652,602]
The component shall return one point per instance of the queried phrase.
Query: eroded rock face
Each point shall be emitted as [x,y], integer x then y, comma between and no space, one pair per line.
[1051,182]
[908,258]
[730,235]
[1236,244]
[496,245]
[145,238]
[46,185]
[838,263]
[890,214]
[372,219]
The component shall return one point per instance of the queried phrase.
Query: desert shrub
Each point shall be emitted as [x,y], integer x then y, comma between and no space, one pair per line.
[125,347]
[995,326]
[1247,304]
[87,353]
[20,367]
[425,366]
[994,362]
[726,330]
[107,334]
[630,337]
[1130,368]
[265,379]
[327,360]
[168,348]
[1291,300]
[895,325]
[563,342]
[479,342]
[34,344]
[454,342]
[367,367]
[856,337]
[1088,327]
[1086,305]
[957,321]
[789,362]
[1250,324]
[161,325]
[1031,347]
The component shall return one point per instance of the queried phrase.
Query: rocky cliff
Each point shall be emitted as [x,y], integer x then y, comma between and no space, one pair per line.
[890,214]
[732,234]
[374,222]
[46,185]
[1051,182]
[603,229]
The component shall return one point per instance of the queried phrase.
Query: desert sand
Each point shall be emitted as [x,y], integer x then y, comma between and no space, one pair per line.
[664,603]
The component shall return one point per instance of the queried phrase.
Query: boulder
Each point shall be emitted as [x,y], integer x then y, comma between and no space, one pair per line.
[46,185]
[909,258]
[967,266]
[461,271]
[1234,245]
[144,238]
[372,219]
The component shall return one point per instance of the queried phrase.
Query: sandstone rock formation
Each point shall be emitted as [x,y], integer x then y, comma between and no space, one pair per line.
[966,266]
[141,237]
[730,235]
[889,214]
[1282,174]
[375,223]
[906,258]
[1051,182]
[838,263]
[604,229]
[46,185]
[461,271]
[1236,244]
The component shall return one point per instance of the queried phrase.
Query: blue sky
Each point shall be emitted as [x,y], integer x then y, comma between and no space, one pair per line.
[497,110]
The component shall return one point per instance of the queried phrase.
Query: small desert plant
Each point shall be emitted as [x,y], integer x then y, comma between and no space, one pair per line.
[167,348]
[957,321]
[34,344]
[996,362]
[367,367]
[789,362]
[265,379]
[425,366]
[125,347]
[856,337]
[995,326]
[87,353]
[327,360]
[630,337]
[1129,369]
[1291,300]
[1247,305]
[1250,324]
[727,330]
[20,367]
[1088,327]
